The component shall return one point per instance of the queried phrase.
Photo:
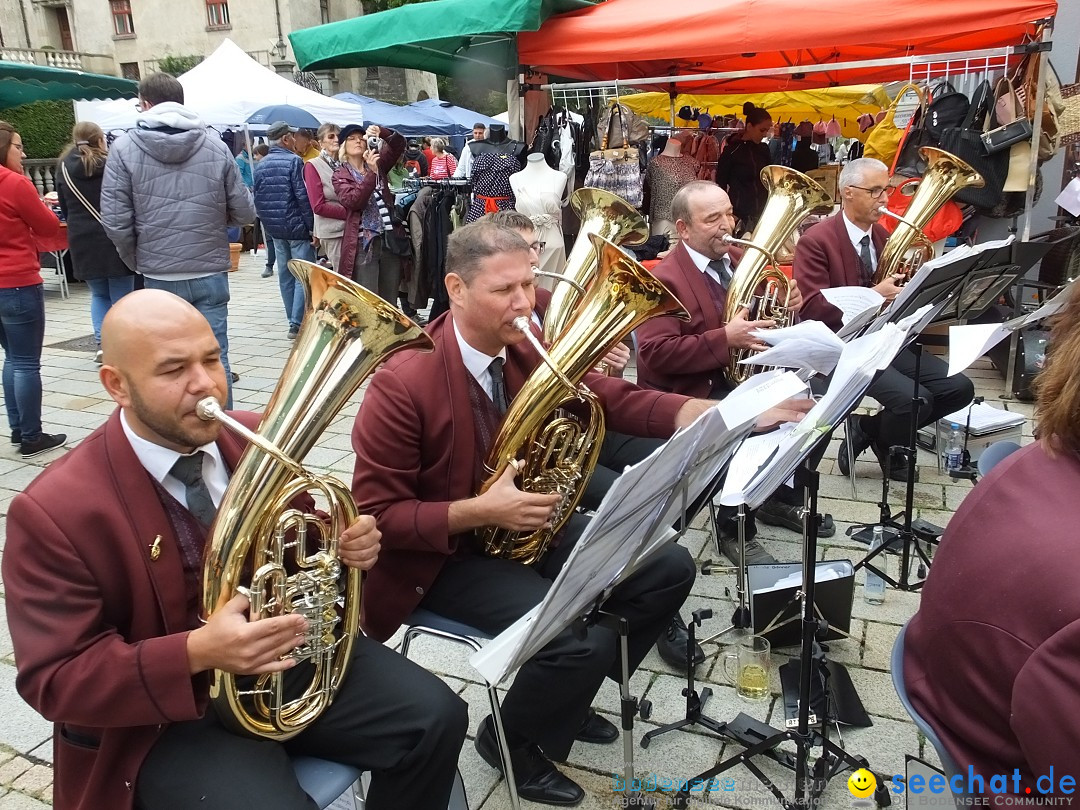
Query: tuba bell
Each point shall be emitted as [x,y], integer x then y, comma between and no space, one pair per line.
[288,557]
[758,285]
[559,447]
[604,214]
[907,248]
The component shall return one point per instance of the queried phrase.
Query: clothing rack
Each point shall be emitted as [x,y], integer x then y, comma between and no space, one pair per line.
[416,183]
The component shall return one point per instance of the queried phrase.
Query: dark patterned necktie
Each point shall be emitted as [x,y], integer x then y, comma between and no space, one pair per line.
[720,267]
[498,385]
[866,260]
[188,470]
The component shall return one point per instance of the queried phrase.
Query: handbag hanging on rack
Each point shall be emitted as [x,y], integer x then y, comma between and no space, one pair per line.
[616,170]
[965,141]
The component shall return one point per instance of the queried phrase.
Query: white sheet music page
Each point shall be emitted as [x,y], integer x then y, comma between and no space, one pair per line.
[809,345]
[756,395]
[853,301]
[968,342]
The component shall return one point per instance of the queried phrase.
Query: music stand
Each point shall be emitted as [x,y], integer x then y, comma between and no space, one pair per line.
[976,275]
[632,522]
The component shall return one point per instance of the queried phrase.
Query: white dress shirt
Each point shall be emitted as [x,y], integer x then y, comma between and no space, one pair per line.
[158,461]
[478,363]
[701,262]
[856,237]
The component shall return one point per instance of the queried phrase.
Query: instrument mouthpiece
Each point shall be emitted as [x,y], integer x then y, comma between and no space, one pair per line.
[521,323]
[208,409]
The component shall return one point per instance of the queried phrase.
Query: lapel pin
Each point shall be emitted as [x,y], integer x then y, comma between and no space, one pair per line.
[155,548]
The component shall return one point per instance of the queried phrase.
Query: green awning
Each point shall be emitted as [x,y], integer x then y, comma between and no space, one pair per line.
[448,37]
[21,83]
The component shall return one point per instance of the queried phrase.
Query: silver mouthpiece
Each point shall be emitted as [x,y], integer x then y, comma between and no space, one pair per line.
[208,409]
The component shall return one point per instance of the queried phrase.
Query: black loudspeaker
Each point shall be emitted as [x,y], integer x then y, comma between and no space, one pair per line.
[1030,359]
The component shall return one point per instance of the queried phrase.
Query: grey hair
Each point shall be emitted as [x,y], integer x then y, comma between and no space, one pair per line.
[470,245]
[680,203]
[512,219]
[274,141]
[855,171]
[438,145]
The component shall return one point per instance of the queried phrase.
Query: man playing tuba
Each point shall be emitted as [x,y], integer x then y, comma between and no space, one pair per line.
[421,437]
[102,574]
[691,357]
[843,251]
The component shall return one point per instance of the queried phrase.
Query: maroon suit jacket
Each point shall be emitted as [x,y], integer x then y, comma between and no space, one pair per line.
[416,453]
[825,257]
[99,628]
[990,658]
[679,356]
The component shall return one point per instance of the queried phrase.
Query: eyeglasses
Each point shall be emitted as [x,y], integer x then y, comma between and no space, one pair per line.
[538,247]
[875,192]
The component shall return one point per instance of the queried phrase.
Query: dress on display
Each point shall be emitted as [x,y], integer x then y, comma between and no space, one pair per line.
[491,183]
[544,208]
[665,175]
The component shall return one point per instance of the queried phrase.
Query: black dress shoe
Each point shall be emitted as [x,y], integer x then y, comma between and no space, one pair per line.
[858,442]
[777,513]
[537,778]
[672,645]
[597,729]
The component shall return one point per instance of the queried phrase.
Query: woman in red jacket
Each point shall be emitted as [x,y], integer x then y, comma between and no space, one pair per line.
[22,303]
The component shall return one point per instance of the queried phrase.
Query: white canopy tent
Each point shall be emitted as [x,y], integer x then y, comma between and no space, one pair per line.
[224,90]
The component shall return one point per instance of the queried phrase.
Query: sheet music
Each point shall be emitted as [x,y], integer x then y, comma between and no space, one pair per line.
[808,345]
[1069,198]
[853,302]
[635,511]
[969,342]
[984,418]
[925,273]
[756,395]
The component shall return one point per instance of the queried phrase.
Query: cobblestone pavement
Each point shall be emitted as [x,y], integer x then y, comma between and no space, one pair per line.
[75,403]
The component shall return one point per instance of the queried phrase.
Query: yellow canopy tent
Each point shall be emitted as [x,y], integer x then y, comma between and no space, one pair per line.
[845,103]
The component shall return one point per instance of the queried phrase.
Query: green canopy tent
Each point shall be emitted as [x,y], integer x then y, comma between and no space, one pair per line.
[472,40]
[21,83]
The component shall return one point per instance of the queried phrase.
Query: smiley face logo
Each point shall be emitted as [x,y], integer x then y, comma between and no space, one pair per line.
[862,783]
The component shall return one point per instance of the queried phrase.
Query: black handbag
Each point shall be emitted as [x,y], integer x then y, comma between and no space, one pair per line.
[996,140]
[398,244]
[965,141]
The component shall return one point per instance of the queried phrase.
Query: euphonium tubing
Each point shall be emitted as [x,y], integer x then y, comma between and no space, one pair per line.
[604,214]
[290,556]
[945,175]
[559,450]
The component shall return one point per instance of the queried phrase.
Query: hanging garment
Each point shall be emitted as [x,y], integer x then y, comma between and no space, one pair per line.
[545,210]
[665,175]
[491,183]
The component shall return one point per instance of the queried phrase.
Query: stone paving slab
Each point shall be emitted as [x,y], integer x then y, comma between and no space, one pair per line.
[75,403]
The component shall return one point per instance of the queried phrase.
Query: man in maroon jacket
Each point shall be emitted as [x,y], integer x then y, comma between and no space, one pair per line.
[421,436]
[102,574]
[843,251]
[691,357]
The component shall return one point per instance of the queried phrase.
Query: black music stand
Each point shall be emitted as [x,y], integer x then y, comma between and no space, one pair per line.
[808,787]
[961,290]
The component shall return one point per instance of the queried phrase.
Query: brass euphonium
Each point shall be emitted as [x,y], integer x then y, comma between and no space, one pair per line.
[758,284]
[289,556]
[560,449]
[604,214]
[907,248]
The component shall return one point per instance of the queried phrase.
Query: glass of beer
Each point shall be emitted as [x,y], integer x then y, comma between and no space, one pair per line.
[747,668]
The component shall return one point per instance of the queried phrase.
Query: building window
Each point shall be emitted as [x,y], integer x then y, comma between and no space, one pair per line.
[217,14]
[123,24]
[130,70]
[324,10]
[373,74]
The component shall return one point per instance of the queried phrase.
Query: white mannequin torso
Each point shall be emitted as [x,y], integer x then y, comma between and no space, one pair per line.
[538,178]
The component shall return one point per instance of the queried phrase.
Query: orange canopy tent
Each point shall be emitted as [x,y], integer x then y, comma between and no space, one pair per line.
[626,40]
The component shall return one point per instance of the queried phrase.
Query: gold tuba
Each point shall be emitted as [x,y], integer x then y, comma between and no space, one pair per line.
[792,197]
[289,556]
[560,449]
[604,214]
[907,248]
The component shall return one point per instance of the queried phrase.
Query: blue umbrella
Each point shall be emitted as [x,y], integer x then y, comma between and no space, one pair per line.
[409,121]
[293,116]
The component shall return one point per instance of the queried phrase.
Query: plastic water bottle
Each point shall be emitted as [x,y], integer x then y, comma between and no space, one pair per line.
[874,591]
[953,456]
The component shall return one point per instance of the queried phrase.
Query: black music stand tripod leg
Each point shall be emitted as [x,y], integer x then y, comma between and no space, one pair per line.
[808,786]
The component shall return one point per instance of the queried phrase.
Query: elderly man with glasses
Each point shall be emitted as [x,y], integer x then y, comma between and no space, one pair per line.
[843,251]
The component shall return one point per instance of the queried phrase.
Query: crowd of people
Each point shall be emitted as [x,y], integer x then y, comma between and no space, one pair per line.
[103,559]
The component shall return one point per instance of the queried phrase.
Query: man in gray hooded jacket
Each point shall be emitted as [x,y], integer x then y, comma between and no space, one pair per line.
[170,190]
